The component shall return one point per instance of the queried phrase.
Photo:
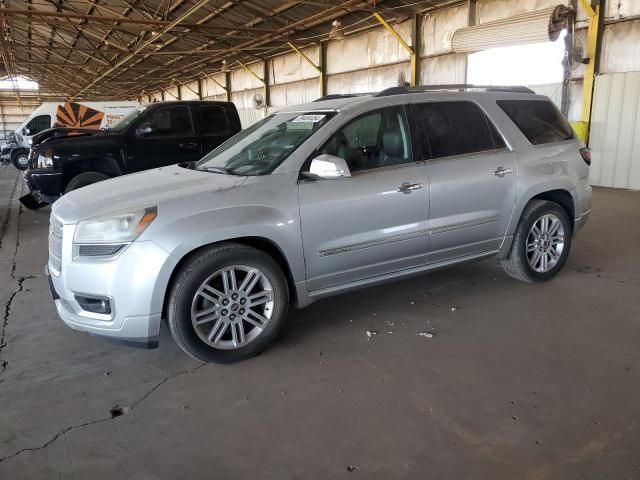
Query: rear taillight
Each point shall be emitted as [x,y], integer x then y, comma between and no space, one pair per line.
[586,155]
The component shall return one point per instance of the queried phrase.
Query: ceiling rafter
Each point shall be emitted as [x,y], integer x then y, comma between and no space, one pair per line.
[118,48]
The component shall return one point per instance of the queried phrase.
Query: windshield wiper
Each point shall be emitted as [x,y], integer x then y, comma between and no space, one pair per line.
[222,170]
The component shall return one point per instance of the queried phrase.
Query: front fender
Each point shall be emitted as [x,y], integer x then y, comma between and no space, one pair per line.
[281,228]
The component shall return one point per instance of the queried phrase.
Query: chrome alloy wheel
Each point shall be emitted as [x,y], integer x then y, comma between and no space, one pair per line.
[545,243]
[232,307]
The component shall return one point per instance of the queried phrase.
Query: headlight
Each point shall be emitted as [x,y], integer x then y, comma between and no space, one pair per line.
[119,227]
[45,159]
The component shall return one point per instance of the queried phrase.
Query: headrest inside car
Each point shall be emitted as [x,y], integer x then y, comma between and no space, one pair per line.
[392,144]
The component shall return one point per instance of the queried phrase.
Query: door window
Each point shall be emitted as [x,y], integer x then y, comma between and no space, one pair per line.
[172,120]
[374,140]
[38,124]
[456,128]
[213,119]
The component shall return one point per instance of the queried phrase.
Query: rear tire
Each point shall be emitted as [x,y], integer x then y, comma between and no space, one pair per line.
[84,179]
[227,303]
[541,243]
[20,159]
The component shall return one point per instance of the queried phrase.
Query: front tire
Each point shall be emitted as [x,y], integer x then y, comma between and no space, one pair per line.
[541,243]
[227,303]
[84,179]
[20,159]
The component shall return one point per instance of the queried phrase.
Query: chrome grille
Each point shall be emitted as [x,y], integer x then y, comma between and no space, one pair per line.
[55,244]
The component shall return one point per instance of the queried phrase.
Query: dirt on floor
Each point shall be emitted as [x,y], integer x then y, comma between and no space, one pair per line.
[460,374]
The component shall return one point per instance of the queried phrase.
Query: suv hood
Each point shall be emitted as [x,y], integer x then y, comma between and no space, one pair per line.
[143,189]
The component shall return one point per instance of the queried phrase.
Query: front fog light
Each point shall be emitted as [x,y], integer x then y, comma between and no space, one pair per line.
[92,304]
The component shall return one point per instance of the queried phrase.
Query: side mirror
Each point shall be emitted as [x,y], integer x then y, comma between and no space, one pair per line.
[329,167]
[144,129]
[26,131]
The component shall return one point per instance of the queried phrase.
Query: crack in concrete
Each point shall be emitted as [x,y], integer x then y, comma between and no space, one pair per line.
[66,430]
[7,314]
[8,306]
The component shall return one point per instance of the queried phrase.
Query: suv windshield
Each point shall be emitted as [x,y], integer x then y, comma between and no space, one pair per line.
[262,147]
[128,120]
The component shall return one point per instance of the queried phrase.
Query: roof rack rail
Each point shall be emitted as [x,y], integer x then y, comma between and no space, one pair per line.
[454,86]
[335,96]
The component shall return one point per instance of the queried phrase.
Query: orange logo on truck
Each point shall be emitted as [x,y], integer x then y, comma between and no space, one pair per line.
[76,115]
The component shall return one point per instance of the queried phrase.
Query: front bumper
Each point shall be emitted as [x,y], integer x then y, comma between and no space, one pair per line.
[134,280]
[44,185]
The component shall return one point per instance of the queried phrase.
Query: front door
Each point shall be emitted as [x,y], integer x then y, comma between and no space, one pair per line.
[472,180]
[171,139]
[374,222]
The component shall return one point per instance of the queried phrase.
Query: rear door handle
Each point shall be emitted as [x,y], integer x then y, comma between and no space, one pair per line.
[501,172]
[407,187]
[188,145]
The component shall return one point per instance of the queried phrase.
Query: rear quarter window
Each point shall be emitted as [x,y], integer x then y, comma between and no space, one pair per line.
[539,120]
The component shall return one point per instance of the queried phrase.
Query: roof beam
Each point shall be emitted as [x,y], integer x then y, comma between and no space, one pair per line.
[173,24]
[12,12]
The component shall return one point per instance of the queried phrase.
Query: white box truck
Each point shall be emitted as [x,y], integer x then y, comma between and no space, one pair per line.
[66,114]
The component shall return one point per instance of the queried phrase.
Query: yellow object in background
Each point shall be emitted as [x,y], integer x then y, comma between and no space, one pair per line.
[581,129]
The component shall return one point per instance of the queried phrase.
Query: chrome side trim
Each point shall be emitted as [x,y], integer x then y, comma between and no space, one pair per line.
[374,243]
[468,223]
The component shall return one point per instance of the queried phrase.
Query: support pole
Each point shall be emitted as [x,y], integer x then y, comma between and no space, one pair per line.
[265,81]
[590,68]
[322,80]
[227,82]
[416,40]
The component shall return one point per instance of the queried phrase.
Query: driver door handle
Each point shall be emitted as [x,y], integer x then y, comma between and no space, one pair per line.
[501,171]
[407,187]
[188,145]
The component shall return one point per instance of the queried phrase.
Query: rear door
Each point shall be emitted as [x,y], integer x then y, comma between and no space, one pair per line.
[374,222]
[172,139]
[213,124]
[472,179]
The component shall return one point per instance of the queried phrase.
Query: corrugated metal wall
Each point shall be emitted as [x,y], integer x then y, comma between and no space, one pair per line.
[615,131]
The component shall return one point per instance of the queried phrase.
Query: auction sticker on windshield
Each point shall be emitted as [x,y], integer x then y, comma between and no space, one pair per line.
[309,118]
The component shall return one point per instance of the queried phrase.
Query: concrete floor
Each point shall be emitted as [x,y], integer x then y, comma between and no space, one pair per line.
[518,381]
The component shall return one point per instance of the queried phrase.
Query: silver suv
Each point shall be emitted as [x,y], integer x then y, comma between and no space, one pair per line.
[315,200]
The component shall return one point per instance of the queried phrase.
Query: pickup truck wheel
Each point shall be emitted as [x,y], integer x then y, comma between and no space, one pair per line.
[541,243]
[227,303]
[20,159]
[84,179]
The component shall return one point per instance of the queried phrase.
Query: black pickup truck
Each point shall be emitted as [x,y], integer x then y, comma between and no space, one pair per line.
[154,135]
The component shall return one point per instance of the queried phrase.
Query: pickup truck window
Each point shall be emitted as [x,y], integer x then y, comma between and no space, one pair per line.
[123,124]
[213,119]
[262,147]
[173,120]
